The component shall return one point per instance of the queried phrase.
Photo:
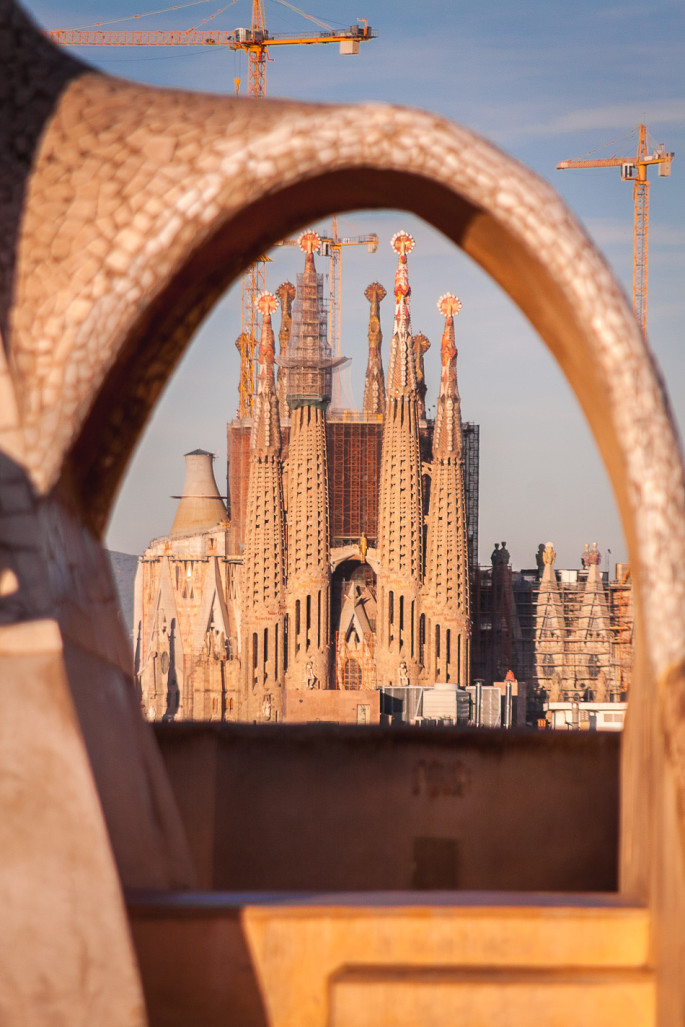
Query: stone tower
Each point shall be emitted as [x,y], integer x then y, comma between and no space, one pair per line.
[421,345]
[308,368]
[445,625]
[286,295]
[263,636]
[550,629]
[374,389]
[593,631]
[400,515]
[183,627]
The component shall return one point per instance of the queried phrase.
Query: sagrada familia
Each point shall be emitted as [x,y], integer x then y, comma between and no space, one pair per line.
[354,573]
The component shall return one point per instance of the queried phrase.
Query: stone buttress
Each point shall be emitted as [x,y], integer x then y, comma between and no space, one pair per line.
[445,624]
[400,515]
[263,655]
[374,388]
[308,368]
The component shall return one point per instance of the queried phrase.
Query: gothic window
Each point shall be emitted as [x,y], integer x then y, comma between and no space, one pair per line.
[422,638]
[448,650]
[437,641]
[255,648]
[593,666]
[547,665]
[266,645]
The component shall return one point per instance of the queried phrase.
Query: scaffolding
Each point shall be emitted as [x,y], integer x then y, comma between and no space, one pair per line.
[354,457]
[534,654]
[471,450]
[577,656]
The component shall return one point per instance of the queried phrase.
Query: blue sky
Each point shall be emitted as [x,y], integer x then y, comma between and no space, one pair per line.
[545,81]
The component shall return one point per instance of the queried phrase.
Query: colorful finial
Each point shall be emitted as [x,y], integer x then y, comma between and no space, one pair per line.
[449,304]
[267,304]
[309,242]
[402,243]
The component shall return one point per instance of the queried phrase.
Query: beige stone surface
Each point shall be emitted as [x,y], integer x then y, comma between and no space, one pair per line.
[124,212]
[65,956]
[347,958]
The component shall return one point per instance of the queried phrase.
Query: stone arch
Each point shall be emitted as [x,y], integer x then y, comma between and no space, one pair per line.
[509,221]
[258,173]
[130,210]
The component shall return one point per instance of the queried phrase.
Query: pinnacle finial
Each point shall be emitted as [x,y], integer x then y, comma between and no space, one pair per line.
[267,304]
[449,305]
[403,243]
[309,242]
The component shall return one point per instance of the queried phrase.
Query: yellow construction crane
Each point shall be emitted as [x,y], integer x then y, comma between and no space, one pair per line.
[331,246]
[255,42]
[634,169]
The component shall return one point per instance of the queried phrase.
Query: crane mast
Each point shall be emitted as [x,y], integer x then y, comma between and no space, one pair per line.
[255,42]
[634,169]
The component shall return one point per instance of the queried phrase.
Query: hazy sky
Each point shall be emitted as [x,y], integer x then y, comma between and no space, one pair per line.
[545,80]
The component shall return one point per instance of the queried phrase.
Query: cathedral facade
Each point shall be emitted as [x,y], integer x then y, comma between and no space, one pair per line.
[340,564]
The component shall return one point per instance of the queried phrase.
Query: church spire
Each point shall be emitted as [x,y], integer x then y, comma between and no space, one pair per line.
[402,380]
[266,427]
[447,439]
[446,593]
[374,389]
[309,364]
[262,634]
[421,344]
[286,295]
[400,507]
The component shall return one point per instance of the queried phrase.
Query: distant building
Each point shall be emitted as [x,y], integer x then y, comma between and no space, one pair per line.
[566,634]
[341,562]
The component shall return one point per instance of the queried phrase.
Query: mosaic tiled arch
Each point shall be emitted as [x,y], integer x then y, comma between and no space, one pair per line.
[143,204]
[133,208]
[124,212]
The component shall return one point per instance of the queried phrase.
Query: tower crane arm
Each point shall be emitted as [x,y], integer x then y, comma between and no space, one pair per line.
[238,39]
